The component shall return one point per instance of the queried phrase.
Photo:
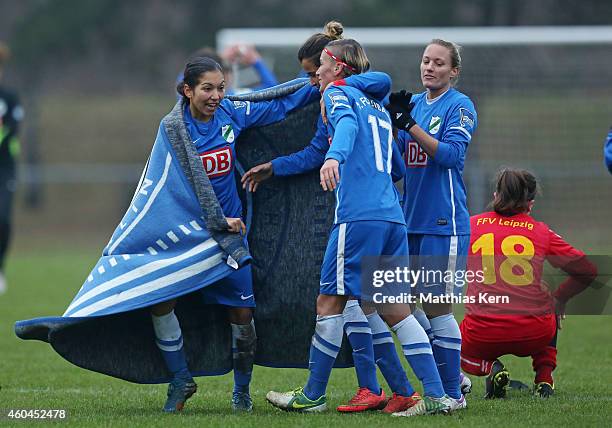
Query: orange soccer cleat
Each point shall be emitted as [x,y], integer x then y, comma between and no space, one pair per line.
[364,400]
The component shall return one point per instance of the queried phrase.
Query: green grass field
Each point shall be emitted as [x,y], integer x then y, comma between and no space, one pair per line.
[33,376]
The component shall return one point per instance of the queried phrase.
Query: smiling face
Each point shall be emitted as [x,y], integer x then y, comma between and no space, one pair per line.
[437,70]
[206,95]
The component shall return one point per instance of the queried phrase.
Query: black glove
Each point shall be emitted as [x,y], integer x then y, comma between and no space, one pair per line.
[400,116]
[400,109]
[401,98]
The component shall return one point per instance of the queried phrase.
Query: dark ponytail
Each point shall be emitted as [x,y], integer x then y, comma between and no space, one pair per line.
[195,67]
[514,189]
[312,48]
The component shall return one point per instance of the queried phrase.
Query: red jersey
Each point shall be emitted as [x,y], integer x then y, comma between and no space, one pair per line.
[510,253]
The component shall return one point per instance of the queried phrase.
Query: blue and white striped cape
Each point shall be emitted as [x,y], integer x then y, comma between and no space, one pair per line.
[161,248]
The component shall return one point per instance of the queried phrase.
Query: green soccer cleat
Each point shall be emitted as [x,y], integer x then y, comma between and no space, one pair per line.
[544,390]
[497,381]
[242,402]
[296,401]
[179,391]
[428,406]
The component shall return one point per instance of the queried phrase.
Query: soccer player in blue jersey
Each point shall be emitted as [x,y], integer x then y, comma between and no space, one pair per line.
[368,221]
[214,123]
[357,324]
[436,127]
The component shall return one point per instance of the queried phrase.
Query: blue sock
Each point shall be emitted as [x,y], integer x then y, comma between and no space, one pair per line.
[324,349]
[169,340]
[360,337]
[386,357]
[447,352]
[419,355]
[424,321]
[244,341]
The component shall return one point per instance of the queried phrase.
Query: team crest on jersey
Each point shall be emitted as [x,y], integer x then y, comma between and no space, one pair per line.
[228,133]
[217,162]
[434,124]
[466,118]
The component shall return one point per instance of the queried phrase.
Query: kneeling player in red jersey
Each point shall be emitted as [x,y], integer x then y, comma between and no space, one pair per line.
[508,310]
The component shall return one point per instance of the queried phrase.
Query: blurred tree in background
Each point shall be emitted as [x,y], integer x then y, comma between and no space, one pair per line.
[141,43]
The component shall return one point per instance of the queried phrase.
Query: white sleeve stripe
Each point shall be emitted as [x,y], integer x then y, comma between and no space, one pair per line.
[462,130]
[338,105]
[248,108]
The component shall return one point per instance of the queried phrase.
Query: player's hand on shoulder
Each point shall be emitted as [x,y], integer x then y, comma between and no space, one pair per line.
[330,175]
[251,179]
[235,225]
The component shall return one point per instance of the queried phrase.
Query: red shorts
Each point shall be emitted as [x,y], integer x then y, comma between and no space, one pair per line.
[479,351]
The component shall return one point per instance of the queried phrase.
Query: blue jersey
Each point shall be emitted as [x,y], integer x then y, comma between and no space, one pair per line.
[434,194]
[214,140]
[375,84]
[608,151]
[362,142]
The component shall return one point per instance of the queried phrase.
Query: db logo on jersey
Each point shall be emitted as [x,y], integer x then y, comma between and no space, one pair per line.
[217,162]
[415,156]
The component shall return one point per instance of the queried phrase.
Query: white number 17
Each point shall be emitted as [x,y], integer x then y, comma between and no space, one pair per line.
[377,122]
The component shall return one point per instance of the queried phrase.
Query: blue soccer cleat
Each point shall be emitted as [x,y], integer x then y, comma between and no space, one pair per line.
[241,402]
[179,390]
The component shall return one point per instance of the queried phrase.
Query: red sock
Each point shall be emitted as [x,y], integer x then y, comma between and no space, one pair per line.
[544,363]
[544,374]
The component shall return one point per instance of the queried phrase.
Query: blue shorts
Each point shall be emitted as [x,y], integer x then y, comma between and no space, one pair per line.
[439,253]
[348,243]
[235,290]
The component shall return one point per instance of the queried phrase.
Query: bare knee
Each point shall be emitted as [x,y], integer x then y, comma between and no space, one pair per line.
[393,313]
[434,310]
[368,308]
[240,315]
[330,305]
[163,308]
